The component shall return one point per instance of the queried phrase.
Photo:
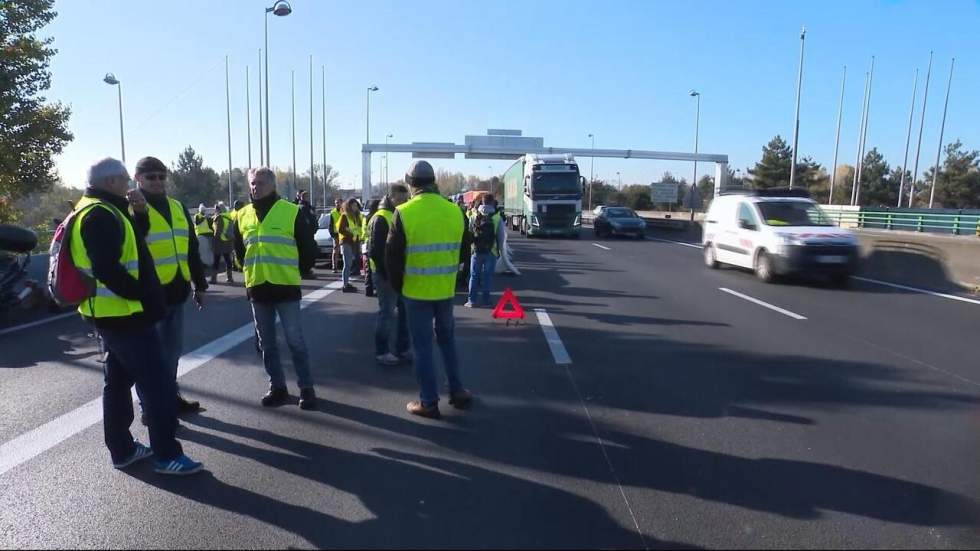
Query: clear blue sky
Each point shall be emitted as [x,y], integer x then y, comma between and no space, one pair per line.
[555,69]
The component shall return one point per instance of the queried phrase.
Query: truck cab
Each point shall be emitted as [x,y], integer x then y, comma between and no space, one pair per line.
[543,195]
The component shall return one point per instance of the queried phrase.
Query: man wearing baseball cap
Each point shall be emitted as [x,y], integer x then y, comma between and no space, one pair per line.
[170,236]
[422,257]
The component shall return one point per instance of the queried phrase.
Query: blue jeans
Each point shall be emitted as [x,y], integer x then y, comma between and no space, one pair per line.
[136,357]
[264,314]
[391,330]
[349,257]
[171,332]
[421,314]
[481,274]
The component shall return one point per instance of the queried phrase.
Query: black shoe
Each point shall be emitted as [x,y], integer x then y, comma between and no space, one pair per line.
[369,292]
[307,398]
[187,406]
[349,289]
[276,397]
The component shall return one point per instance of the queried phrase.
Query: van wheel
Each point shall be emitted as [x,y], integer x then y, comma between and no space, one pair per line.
[763,267]
[709,256]
[840,281]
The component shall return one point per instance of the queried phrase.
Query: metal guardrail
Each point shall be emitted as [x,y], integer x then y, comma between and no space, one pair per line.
[955,224]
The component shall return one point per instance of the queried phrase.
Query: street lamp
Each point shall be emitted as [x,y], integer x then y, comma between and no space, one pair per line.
[591,170]
[367,126]
[620,178]
[697,128]
[111,80]
[281,9]
[796,123]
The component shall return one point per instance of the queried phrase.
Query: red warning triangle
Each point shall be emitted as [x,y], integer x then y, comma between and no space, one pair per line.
[508,299]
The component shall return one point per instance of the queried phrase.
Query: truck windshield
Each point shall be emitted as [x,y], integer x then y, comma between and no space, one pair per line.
[555,182]
[793,213]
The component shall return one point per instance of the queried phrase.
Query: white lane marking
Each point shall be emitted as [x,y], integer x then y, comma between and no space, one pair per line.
[917,290]
[562,358]
[36,323]
[33,443]
[551,335]
[762,303]
[602,247]
[692,245]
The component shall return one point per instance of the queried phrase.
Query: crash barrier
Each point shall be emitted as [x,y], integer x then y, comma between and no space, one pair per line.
[938,221]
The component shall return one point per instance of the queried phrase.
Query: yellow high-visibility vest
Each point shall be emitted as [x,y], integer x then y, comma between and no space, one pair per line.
[433,232]
[201,224]
[335,220]
[354,229]
[271,254]
[225,234]
[105,303]
[388,216]
[168,243]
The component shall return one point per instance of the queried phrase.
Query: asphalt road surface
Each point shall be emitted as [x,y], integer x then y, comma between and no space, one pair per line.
[646,401]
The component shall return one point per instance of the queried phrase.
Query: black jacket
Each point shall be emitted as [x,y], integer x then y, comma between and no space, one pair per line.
[395,247]
[305,244]
[102,234]
[378,238]
[179,289]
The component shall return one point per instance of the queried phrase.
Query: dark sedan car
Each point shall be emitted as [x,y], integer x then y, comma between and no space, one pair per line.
[619,221]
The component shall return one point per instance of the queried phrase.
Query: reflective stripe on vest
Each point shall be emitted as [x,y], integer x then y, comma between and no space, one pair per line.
[168,243]
[105,303]
[388,216]
[433,232]
[271,255]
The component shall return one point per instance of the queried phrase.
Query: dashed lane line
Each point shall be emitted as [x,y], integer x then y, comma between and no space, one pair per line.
[764,304]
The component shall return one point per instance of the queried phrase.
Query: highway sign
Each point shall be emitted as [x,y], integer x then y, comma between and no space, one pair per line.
[663,192]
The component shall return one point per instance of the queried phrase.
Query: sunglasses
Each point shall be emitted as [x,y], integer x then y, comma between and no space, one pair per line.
[155,177]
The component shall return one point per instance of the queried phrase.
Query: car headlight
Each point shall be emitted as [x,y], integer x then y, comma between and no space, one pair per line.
[534,220]
[578,220]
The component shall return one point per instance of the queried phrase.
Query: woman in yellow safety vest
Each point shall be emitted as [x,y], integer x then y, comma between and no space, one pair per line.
[349,230]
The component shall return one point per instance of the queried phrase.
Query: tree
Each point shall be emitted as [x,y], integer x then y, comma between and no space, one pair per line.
[31,131]
[774,168]
[877,187]
[958,184]
[449,183]
[706,189]
[43,211]
[194,183]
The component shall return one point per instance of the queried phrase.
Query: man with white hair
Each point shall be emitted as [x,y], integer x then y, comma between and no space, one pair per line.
[127,304]
[275,244]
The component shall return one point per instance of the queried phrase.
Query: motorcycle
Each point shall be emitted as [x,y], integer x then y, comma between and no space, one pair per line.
[17,290]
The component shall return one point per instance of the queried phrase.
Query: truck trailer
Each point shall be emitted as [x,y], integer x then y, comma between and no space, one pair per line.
[543,196]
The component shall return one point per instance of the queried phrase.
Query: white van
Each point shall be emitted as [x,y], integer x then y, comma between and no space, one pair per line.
[777,232]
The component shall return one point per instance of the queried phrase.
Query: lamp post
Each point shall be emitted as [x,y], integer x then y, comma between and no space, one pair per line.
[228,115]
[796,124]
[591,170]
[262,161]
[111,80]
[312,173]
[697,127]
[281,8]
[620,178]
[387,137]
[840,113]
[922,123]
[942,129]
[367,125]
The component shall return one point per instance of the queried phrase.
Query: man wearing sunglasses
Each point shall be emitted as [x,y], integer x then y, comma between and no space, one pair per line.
[172,241]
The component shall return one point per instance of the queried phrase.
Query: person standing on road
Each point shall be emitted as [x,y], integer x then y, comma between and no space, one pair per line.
[334,224]
[373,206]
[127,304]
[349,230]
[422,257]
[236,207]
[274,244]
[306,209]
[391,346]
[222,244]
[165,223]
[488,241]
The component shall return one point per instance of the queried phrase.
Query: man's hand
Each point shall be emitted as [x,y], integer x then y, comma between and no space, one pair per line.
[199,299]
[136,200]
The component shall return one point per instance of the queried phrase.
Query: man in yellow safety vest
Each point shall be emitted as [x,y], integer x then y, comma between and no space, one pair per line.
[422,257]
[165,223]
[275,245]
[127,304]
[391,345]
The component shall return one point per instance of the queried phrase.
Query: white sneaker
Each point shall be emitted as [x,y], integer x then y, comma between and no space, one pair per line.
[388,359]
[468,304]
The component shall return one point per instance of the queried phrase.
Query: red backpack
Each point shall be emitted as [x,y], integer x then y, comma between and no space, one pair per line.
[67,285]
